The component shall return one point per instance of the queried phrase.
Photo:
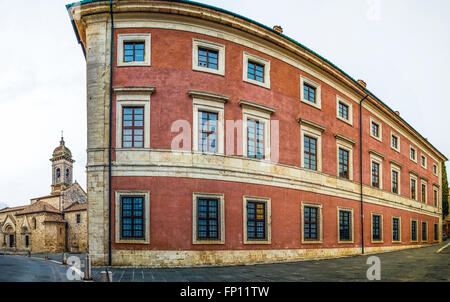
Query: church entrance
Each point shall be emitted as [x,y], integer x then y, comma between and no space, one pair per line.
[11,240]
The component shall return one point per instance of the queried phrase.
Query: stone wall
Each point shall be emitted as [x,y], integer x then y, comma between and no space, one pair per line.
[77,232]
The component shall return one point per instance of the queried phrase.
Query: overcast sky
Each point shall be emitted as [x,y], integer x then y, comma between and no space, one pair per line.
[399,47]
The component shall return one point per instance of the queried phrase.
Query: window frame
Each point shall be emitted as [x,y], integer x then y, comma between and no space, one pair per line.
[133,128]
[415,153]
[311,129]
[220,48]
[424,183]
[349,104]
[221,218]
[320,224]
[379,160]
[399,229]
[435,170]
[422,231]
[352,228]
[395,168]
[318,94]
[380,129]
[398,141]
[413,177]
[268,220]
[136,38]
[118,213]
[261,61]
[436,232]
[78,218]
[381,240]
[423,156]
[416,230]
[436,194]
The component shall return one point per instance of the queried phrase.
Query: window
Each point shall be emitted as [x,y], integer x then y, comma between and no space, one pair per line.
[412,154]
[255,139]
[377,228]
[208,57]
[345,225]
[133,127]
[27,241]
[256,220]
[132,216]
[436,232]
[395,142]
[207,135]
[58,173]
[344,110]
[310,92]
[423,161]
[376,129]
[34,223]
[375,174]
[343,163]
[311,223]
[256,70]
[413,187]
[424,231]
[395,182]
[396,229]
[413,230]
[208,219]
[78,218]
[67,173]
[310,153]
[435,196]
[423,192]
[133,50]
[435,170]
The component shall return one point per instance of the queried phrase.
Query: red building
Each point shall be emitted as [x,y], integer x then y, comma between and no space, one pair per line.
[231,143]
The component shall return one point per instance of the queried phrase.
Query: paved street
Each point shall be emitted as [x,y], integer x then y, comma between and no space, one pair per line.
[422,264]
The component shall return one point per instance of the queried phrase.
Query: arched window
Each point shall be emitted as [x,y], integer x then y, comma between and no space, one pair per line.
[58,173]
[67,173]
[34,223]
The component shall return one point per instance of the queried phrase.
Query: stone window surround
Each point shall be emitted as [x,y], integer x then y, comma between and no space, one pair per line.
[421,231]
[399,229]
[221,198]
[347,144]
[352,225]
[122,38]
[417,230]
[210,102]
[435,170]
[425,157]
[339,99]
[378,158]
[133,96]
[381,228]
[313,205]
[416,178]
[380,129]
[198,43]
[118,225]
[436,189]
[313,130]
[424,182]
[438,233]
[397,168]
[318,104]
[260,113]
[259,60]
[268,222]
[398,141]
[415,152]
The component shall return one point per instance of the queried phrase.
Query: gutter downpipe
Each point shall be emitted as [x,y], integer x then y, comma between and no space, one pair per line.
[360,172]
[110,132]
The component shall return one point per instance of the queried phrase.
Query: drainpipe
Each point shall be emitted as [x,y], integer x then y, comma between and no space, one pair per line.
[360,172]
[110,132]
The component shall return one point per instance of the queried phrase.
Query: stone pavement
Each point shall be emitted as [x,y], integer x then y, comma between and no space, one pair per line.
[419,264]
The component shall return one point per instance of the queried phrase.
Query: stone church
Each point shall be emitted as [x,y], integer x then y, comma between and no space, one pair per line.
[53,223]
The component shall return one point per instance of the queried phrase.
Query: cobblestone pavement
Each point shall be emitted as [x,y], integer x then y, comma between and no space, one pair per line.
[420,264]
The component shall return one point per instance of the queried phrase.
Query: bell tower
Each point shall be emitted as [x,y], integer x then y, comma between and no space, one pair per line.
[62,167]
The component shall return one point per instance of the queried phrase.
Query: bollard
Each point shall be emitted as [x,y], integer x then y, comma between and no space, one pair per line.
[107,276]
[29,253]
[87,268]
[46,255]
[64,258]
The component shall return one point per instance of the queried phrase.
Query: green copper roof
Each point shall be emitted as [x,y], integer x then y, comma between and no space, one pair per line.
[68,6]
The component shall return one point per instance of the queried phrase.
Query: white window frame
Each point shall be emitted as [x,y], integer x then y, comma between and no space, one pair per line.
[221,198]
[352,224]
[133,97]
[381,228]
[345,144]
[412,176]
[302,211]
[417,230]
[339,99]
[196,44]
[425,157]
[268,221]
[122,38]
[415,152]
[399,229]
[261,114]
[378,160]
[259,60]
[118,225]
[315,131]
[398,141]
[304,80]
[210,102]
[380,129]
[424,182]
[435,170]
[397,169]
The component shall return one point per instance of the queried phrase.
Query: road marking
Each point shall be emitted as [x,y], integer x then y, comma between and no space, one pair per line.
[442,248]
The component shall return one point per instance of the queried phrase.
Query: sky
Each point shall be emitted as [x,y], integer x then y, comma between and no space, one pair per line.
[400,48]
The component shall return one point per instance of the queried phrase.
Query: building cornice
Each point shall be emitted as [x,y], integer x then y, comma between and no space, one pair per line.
[204,95]
[253,105]
[311,124]
[341,137]
[376,153]
[135,89]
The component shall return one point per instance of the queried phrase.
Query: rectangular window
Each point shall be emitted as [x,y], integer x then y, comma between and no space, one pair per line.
[395,229]
[255,72]
[435,171]
[343,163]
[412,154]
[343,110]
[345,225]
[27,241]
[256,220]
[394,142]
[255,139]
[413,188]
[311,223]
[208,219]
[132,217]
[207,136]
[78,218]
[424,193]
[376,228]
[375,174]
[375,129]
[310,153]
[208,58]
[133,127]
[413,230]
[423,161]
[395,182]
[436,232]
[133,52]
[424,231]
[435,197]
[309,93]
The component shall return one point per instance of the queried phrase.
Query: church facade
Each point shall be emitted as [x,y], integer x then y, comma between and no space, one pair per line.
[53,223]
